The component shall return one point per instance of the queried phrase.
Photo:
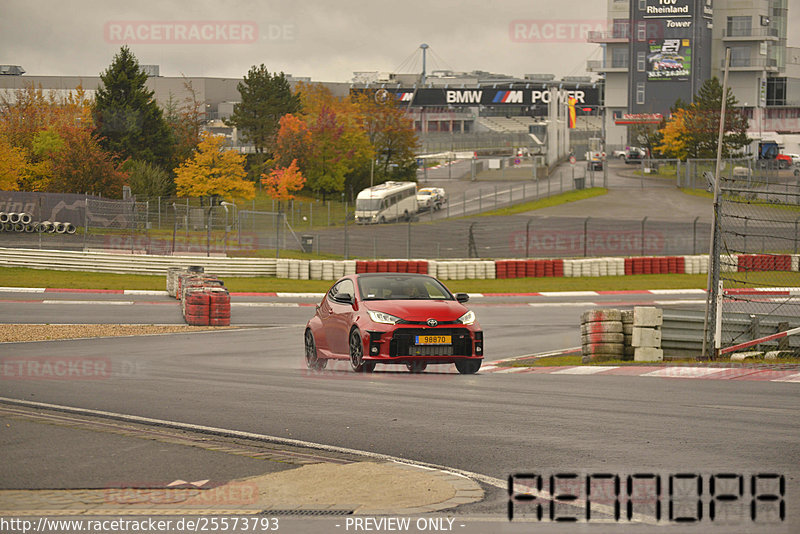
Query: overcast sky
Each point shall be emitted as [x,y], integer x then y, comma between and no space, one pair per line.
[326,40]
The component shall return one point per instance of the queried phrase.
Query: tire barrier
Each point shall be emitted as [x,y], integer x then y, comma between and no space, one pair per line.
[764,262]
[611,334]
[204,299]
[23,222]
[601,336]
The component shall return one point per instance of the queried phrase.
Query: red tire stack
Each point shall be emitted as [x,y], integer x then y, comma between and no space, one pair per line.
[219,306]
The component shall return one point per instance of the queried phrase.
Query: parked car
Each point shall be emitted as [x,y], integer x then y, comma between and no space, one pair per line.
[431,198]
[795,158]
[393,318]
[784,161]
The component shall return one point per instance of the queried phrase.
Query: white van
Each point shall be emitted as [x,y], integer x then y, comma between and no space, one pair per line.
[389,201]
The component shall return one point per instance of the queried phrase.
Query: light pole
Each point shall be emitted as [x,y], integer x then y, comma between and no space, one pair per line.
[225,205]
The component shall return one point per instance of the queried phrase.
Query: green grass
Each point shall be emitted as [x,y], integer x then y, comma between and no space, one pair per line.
[23,277]
[555,200]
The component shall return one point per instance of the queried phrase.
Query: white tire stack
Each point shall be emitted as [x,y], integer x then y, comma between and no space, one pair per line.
[602,338]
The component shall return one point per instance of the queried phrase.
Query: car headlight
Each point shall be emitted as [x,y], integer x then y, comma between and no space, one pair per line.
[467,318]
[380,317]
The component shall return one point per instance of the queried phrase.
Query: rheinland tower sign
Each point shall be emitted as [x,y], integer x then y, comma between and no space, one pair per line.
[670,52]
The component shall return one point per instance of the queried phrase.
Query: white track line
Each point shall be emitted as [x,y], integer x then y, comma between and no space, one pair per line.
[588,370]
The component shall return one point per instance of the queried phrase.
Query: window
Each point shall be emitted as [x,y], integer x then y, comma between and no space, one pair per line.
[641,61]
[641,30]
[642,5]
[621,29]
[740,56]
[640,92]
[739,26]
[776,91]
[619,57]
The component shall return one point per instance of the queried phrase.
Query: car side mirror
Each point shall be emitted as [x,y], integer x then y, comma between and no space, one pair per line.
[462,297]
[345,298]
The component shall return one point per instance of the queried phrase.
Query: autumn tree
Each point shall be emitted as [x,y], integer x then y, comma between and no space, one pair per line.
[391,134]
[329,145]
[213,171]
[13,165]
[283,182]
[674,137]
[185,119]
[128,120]
[81,165]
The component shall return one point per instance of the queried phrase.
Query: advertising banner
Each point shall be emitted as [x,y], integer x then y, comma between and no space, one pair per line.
[584,95]
[669,59]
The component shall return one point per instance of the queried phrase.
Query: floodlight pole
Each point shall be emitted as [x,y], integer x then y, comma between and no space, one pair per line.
[713,317]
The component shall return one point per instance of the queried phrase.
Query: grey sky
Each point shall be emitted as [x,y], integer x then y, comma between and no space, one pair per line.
[326,40]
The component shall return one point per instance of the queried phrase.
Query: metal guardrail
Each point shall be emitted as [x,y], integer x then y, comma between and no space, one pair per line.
[65,260]
[682,330]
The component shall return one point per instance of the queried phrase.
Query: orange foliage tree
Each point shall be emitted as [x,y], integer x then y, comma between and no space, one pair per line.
[283,182]
[213,171]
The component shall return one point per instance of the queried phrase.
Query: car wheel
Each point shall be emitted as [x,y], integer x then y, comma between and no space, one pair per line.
[313,361]
[783,165]
[382,219]
[416,367]
[357,362]
[468,367]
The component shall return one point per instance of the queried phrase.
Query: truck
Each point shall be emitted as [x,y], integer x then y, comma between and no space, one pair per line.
[389,201]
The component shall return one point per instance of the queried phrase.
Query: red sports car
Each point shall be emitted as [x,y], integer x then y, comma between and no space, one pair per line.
[408,319]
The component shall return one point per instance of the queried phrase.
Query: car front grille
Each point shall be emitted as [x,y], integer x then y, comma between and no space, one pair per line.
[402,343]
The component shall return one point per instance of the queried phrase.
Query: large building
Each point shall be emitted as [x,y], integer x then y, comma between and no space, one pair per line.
[657,51]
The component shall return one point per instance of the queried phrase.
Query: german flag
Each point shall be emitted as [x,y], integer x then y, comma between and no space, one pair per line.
[572,101]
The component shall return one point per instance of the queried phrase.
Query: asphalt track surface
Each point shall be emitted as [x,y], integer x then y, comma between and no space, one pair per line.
[492,424]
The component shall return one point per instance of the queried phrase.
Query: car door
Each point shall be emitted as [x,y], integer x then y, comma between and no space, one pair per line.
[340,317]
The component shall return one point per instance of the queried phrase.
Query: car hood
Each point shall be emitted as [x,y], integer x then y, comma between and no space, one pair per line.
[419,310]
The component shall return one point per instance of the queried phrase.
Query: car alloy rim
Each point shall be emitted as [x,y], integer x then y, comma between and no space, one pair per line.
[310,352]
[355,350]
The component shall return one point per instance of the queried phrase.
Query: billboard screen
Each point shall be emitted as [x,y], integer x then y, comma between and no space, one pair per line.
[669,59]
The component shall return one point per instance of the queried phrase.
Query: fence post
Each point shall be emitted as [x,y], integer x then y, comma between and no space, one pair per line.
[527,237]
[346,237]
[277,234]
[408,240]
[159,213]
[644,221]
[85,223]
[495,197]
[795,234]
[586,237]
[694,236]
[174,227]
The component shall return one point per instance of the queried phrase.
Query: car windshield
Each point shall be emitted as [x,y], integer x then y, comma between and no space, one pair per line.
[424,193]
[402,287]
[368,204]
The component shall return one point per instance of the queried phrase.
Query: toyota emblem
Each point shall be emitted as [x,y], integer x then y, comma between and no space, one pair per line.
[432,322]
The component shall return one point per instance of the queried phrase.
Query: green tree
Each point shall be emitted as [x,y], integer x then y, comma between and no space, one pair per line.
[703,123]
[265,98]
[693,130]
[148,180]
[128,120]
[185,120]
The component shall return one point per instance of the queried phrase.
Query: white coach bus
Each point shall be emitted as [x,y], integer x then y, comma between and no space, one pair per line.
[389,201]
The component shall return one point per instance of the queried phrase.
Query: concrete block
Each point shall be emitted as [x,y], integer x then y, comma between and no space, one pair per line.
[741,356]
[647,316]
[648,354]
[646,337]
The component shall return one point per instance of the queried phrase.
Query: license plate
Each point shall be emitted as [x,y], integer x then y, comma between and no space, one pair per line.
[433,340]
